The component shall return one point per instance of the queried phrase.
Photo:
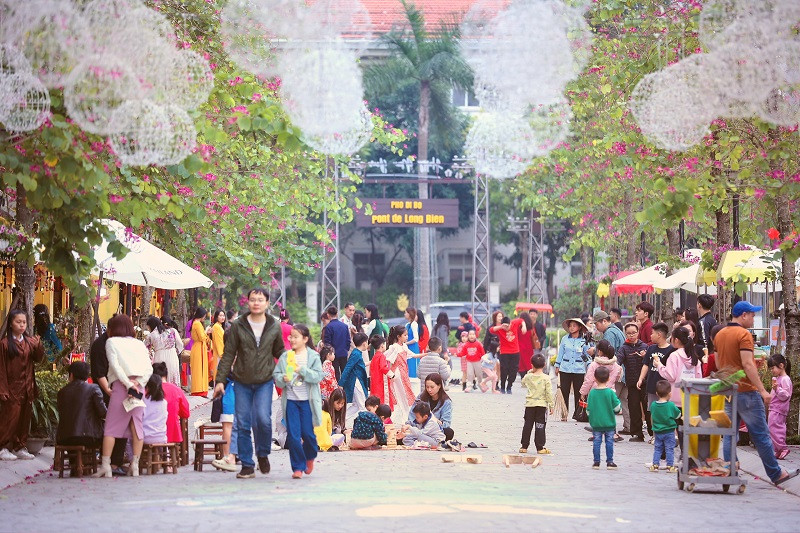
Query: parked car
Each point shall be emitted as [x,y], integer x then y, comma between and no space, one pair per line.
[453,310]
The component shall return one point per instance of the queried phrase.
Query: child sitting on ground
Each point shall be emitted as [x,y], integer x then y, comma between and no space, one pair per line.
[472,351]
[538,402]
[488,364]
[432,363]
[601,407]
[664,415]
[326,438]
[424,428]
[368,428]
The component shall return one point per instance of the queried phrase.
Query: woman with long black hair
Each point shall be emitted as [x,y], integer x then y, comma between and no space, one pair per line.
[46,331]
[18,353]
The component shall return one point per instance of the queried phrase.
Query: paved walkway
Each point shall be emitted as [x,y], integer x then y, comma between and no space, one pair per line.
[413,490]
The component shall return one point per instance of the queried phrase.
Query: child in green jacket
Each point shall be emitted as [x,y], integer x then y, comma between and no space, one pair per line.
[538,401]
[601,406]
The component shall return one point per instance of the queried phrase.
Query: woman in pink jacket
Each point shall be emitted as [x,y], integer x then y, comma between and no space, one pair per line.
[683,363]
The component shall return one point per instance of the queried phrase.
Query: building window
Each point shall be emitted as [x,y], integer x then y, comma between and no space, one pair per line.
[365,263]
[460,267]
[462,98]
[576,269]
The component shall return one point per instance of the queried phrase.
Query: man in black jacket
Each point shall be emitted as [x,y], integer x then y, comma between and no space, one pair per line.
[707,321]
[255,342]
[81,409]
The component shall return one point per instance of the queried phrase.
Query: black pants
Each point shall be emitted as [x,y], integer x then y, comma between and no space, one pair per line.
[338,365]
[534,416]
[569,380]
[509,365]
[637,405]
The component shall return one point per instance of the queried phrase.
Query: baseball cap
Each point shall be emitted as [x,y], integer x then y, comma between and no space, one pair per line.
[600,315]
[744,307]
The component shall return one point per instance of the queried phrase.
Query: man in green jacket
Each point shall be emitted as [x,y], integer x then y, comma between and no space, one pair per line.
[254,341]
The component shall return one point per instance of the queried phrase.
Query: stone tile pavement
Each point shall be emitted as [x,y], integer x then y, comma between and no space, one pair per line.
[414,490]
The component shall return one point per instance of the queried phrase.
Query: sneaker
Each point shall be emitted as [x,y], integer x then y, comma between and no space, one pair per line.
[222,464]
[672,469]
[22,453]
[596,466]
[263,465]
[636,438]
[276,447]
[6,455]
[611,466]
[651,440]
[508,390]
[523,450]
[247,472]
[653,468]
[544,451]
[590,439]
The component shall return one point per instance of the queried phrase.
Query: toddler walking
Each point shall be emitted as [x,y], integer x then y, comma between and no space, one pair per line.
[601,407]
[779,403]
[538,402]
[488,364]
[664,416]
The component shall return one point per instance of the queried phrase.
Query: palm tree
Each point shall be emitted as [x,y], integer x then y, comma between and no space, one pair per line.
[433,61]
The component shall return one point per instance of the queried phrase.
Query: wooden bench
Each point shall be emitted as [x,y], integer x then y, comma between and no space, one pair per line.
[204,448]
[155,456]
[84,460]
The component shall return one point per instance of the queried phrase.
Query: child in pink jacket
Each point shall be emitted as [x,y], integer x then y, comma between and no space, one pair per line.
[683,363]
[605,357]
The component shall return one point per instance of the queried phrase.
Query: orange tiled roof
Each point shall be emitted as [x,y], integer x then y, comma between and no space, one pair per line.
[387,13]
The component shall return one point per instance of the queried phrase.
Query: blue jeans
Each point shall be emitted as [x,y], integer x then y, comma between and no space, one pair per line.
[598,439]
[300,437]
[751,410]
[253,411]
[664,444]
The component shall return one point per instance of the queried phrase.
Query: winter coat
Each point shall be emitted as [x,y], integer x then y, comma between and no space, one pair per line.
[628,356]
[678,367]
[573,352]
[311,374]
[614,371]
[254,364]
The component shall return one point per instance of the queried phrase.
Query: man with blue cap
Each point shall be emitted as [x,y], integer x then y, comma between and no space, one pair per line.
[734,345]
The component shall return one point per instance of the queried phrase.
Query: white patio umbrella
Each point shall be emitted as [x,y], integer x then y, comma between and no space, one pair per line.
[641,281]
[686,279]
[146,264]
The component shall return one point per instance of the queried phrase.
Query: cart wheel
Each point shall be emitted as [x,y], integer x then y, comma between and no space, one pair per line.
[680,485]
[741,488]
[725,488]
[690,487]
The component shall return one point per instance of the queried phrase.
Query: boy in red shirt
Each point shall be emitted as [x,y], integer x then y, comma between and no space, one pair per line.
[472,350]
[508,332]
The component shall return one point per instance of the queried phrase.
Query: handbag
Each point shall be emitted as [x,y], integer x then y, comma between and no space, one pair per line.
[216,409]
[580,413]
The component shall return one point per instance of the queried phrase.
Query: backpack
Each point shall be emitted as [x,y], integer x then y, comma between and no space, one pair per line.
[382,328]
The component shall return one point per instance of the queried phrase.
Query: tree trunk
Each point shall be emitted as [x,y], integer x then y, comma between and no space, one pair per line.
[147,296]
[180,308]
[791,313]
[586,262]
[83,322]
[632,227]
[423,262]
[724,236]
[25,277]
[668,297]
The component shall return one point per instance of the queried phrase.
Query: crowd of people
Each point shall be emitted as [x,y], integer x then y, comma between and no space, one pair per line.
[274,387]
[636,370]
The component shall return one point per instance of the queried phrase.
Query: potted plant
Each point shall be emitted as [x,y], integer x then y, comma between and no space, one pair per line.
[45,409]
